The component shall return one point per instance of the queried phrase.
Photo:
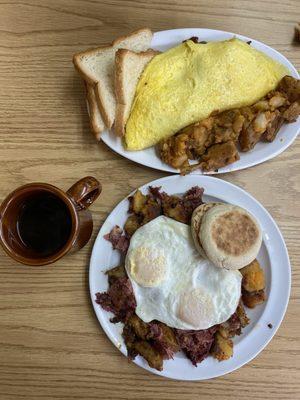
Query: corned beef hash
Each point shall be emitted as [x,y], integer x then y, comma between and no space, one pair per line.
[188,269]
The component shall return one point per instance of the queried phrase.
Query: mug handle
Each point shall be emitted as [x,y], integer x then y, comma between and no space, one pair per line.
[85,192]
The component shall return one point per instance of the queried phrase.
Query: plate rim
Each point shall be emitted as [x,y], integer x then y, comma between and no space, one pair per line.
[285,257]
[230,168]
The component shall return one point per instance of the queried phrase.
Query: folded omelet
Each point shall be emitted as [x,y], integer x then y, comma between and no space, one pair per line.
[186,83]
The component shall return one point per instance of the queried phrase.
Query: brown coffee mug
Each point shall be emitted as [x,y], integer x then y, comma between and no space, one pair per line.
[75,201]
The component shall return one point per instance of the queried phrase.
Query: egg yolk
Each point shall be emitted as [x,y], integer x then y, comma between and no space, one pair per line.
[195,307]
[147,266]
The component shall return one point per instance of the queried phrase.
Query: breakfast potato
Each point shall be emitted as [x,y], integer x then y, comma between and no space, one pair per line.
[224,332]
[241,313]
[150,210]
[222,348]
[177,213]
[138,201]
[169,337]
[252,299]
[143,331]
[219,155]
[115,273]
[132,224]
[151,355]
[139,327]
[174,208]
[253,277]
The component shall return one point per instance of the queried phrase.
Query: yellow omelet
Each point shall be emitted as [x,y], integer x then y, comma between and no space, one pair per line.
[186,83]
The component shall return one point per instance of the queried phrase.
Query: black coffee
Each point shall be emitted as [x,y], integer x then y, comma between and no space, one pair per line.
[44,224]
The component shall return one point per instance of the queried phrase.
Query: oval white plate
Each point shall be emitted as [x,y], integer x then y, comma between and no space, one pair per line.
[273,257]
[263,151]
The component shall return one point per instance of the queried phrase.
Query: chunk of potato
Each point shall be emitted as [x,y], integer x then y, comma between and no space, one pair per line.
[224,332]
[139,327]
[253,277]
[138,201]
[115,273]
[252,299]
[222,348]
[150,210]
[242,315]
[151,355]
[131,225]
[169,337]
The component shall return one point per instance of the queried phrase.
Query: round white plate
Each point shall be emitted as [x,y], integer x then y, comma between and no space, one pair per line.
[273,257]
[263,151]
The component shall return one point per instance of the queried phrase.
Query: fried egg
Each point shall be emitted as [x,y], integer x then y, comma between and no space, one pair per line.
[173,284]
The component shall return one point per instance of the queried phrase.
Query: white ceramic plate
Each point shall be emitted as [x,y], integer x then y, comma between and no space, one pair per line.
[273,257]
[262,152]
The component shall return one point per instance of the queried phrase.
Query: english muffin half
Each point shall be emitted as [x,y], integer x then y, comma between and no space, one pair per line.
[197,216]
[230,236]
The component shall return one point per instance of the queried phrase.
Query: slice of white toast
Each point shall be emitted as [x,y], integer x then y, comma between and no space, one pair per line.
[129,66]
[97,68]
[96,120]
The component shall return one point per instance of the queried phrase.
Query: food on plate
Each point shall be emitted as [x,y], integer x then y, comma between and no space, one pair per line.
[118,240]
[155,342]
[215,141]
[201,101]
[173,284]
[253,284]
[147,207]
[96,66]
[253,277]
[195,224]
[168,297]
[187,83]
[96,120]
[219,155]
[196,345]
[222,348]
[129,66]
[252,299]
[227,235]
[236,322]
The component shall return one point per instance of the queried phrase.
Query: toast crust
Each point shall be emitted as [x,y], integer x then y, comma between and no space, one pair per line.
[97,127]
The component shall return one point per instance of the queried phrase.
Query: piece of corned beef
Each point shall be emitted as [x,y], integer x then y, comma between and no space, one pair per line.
[196,344]
[118,240]
[119,299]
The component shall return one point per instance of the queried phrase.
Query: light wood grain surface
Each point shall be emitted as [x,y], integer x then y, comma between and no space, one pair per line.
[51,345]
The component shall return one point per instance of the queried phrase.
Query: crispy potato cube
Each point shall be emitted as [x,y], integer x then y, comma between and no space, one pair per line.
[138,201]
[115,273]
[241,313]
[131,225]
[224,332]
[178,213]
[169,337]
[222,348]
[253,277]
[151,355]
[252,299]
[139,327]
[173,208]
[150,210]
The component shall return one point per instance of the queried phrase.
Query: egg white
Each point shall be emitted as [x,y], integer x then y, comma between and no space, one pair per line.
[173,284]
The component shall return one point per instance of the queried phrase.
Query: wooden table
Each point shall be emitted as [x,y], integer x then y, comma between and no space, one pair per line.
[51,345]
